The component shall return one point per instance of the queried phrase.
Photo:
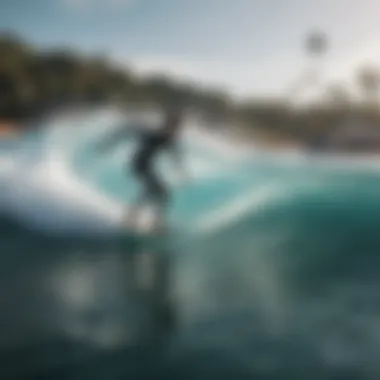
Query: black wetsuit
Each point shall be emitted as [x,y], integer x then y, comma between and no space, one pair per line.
[152,143]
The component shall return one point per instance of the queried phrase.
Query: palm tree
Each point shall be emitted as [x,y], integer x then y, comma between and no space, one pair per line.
[315,46]
[369,82]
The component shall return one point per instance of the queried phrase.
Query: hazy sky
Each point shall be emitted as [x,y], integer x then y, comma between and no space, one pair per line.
[250,46]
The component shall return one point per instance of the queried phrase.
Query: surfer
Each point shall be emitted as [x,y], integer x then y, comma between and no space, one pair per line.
[151,143]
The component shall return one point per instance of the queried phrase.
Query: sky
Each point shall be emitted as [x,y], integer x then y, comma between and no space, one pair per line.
[248,47]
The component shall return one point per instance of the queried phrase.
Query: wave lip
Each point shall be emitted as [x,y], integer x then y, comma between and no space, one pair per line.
[47,197]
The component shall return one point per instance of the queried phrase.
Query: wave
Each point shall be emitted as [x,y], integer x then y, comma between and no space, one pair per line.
[52,182]
[282,261]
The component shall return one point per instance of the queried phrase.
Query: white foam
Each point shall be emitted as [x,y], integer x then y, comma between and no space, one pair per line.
[46,195]
[39,188]
[6,166]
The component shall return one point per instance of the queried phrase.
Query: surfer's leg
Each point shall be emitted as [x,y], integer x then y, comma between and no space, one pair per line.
[160,196]
[132,214]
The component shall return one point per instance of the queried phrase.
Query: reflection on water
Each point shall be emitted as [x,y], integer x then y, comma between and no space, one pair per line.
[61,305]
[298,297]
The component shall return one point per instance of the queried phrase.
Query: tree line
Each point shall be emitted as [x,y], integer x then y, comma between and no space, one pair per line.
[35,80]
[32,80]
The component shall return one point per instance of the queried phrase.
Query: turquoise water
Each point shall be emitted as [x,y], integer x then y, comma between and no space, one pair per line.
[273,269]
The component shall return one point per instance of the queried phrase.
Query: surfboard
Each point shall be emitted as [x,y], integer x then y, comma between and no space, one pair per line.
[143,230]
[146,237]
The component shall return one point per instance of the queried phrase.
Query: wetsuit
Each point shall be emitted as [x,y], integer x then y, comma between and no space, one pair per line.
[152,143]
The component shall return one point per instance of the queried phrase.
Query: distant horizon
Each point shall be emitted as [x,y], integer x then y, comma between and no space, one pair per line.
[246,48]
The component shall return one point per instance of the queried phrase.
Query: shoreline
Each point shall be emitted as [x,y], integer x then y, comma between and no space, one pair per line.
[14,127]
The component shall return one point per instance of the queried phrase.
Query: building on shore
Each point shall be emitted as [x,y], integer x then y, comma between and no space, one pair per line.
[356,136]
